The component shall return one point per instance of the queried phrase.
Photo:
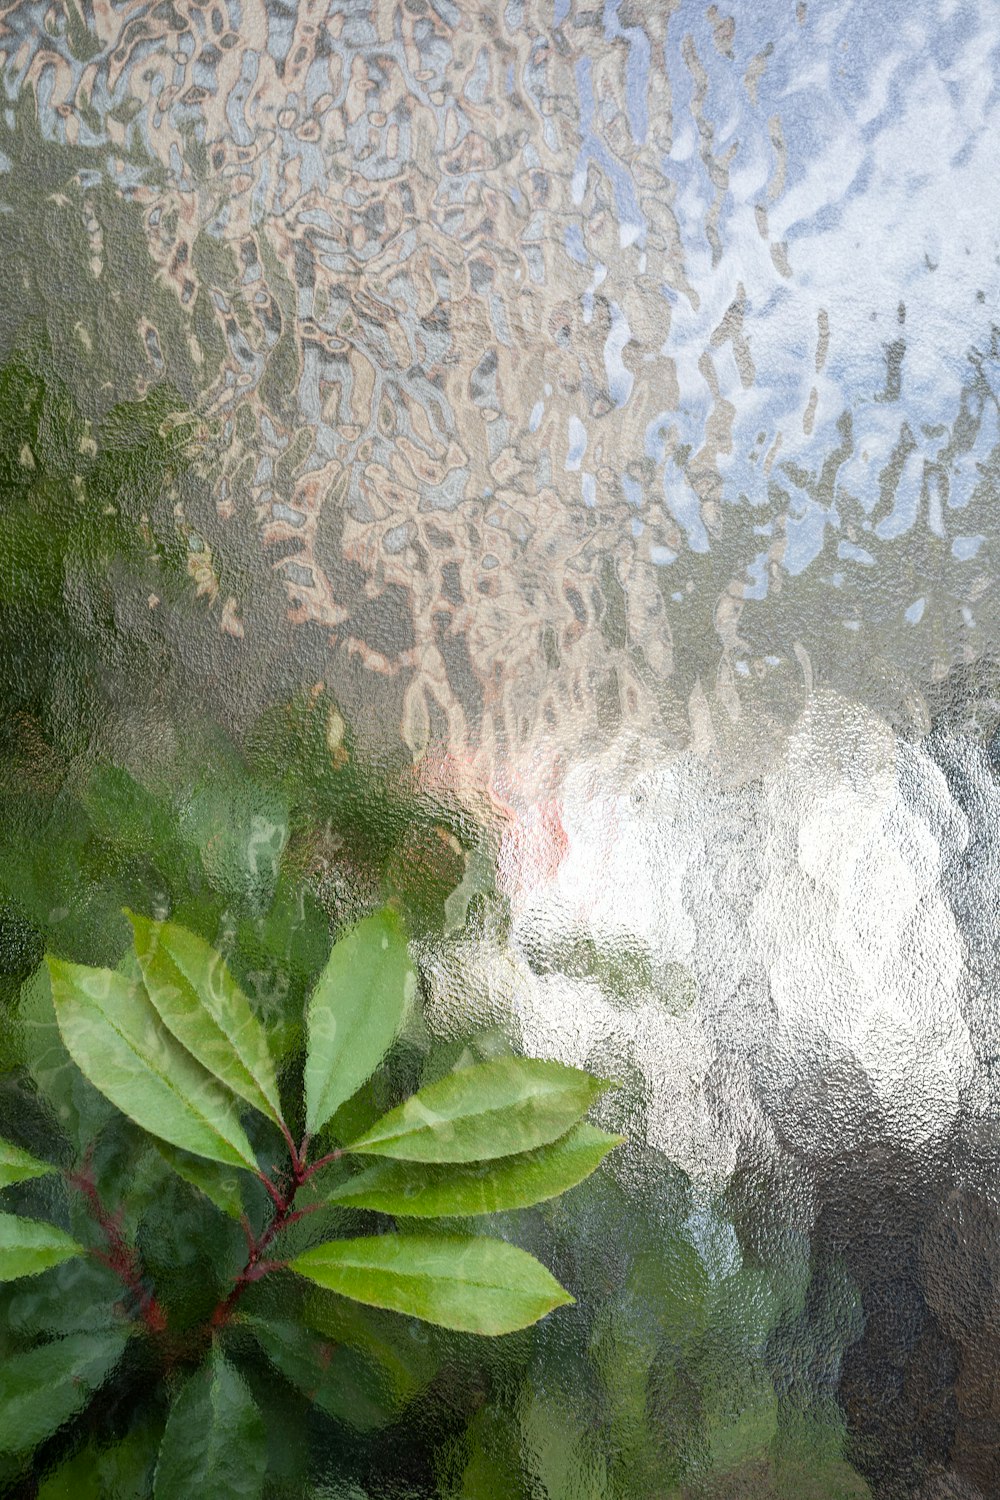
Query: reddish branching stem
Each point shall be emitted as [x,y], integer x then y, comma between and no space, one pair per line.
[123,1260]
[285,1214]
[273,1193]
[256,1266]
[119,1256]
[324,1161]
[298,1155]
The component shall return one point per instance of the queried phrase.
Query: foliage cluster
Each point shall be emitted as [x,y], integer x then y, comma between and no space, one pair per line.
[170,1039]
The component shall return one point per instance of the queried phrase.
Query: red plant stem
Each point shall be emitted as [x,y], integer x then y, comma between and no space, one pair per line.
[301,1213]
[285,1214]
[119,1256]
[298,1157]
[324,1161]
[123,1260]
[272,1191]
[256,1266]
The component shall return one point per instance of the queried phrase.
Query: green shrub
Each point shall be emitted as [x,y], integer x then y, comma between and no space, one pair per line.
[160,1066]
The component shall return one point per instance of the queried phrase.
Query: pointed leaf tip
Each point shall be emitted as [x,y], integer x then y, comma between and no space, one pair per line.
[29,1246]
[42,1388]
[464,1282]
[18,1165]
[214,1442]
[425,1190]
[355,1012]
[494,1109]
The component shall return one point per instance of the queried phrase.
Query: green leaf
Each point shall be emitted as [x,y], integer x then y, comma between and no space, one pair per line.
[495,1109]
[219,1183]
[200,1002]
[337,1379]
[17,1165]
[125,814]
[121,1471]
[425,1191]
[458,1281]
[42,1389]
[562,1452]
[405,1358]
[28,1246]
[742,1422]
[79,1296]
[213,1443]
[78,1479]
[491,1459]
[354,1012]
[78,1110]
[118,1041]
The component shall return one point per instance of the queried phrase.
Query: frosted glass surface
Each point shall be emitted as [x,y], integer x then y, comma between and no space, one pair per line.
[532,468]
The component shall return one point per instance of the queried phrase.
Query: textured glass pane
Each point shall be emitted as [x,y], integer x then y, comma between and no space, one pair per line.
[499,723]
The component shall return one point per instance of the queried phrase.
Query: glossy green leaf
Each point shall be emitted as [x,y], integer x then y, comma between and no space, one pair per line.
[457,1281]
[200,1002]
[355,1012]
[28,1246]
[42,1389]
[213,1443]
[118,1041]
[420,1190]
[495,1109]
[17,1165]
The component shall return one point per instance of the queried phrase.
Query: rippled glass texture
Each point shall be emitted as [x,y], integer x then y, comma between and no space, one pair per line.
[532,468]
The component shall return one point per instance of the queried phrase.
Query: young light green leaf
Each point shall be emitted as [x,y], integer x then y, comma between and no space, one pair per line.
[355,1012]
[42,1389]
[17,1165]
[118,1041]
[28,1246]
[200,1002]
[457,1281]
[214,1442]
[418,1190]
[496,1108]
